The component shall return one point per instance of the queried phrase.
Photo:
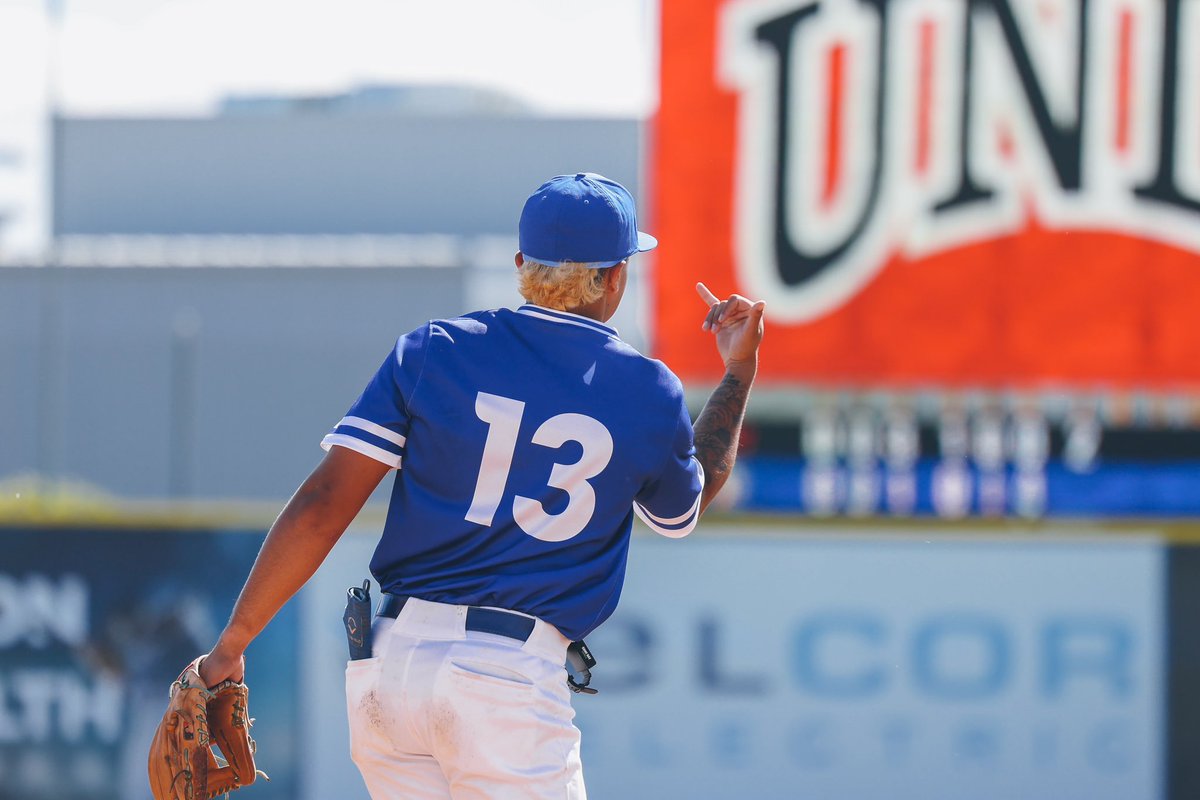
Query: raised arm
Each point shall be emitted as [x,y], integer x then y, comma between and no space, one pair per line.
[305,531]
[738,326]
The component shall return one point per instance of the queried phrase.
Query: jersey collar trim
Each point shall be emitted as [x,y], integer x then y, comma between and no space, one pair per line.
[566,318]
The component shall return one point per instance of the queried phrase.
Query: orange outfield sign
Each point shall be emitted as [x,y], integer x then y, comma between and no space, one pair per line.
[968,193]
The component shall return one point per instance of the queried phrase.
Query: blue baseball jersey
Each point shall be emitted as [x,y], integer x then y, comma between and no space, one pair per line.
[524,441]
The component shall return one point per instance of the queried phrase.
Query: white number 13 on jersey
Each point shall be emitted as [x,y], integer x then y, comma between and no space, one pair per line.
[503,417]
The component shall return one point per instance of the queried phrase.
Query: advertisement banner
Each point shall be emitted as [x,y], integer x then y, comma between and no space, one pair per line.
[864,668]
[929,192]
[94,627]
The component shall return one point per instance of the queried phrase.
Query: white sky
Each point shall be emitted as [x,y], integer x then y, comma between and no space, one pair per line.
[180,56]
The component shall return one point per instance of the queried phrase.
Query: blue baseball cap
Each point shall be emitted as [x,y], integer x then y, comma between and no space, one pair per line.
[581,218]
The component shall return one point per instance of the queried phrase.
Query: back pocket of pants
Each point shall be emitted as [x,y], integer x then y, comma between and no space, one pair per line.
[489,673]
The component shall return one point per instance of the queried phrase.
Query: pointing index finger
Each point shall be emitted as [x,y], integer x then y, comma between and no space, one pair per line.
[708,297]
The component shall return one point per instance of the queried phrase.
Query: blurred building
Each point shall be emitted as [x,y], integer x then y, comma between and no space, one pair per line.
[323,171]
[204,269]
[424,100]
[247,272]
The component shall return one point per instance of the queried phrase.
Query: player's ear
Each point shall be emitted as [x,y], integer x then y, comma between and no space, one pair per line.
[519,259]
[614,275]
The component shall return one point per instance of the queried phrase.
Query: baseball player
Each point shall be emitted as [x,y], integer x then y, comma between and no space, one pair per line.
[523,443]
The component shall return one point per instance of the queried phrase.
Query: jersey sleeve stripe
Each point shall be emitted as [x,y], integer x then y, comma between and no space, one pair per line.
[682,525]
[666,523]
[689,521]
[372,427]
[369,438]
[359,446]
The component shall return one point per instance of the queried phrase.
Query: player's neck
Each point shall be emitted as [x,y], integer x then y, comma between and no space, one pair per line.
[598,310]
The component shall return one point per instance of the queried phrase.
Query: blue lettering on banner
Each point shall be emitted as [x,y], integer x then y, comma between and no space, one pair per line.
[712,677]
[1044,746]
[934,671]
[810,744]
[840,655]
[977,742]
[815,675]
[650,747]
[628,654]
[731,743]
[1080,648]
[896,738]
[816,743]
[1109,747]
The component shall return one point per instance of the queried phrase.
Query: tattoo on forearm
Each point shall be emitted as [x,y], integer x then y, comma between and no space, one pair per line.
[717,431]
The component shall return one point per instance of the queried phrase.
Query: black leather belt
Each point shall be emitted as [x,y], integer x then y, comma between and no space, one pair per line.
[482,620]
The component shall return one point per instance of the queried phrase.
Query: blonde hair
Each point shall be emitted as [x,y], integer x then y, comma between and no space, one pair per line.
[567,286]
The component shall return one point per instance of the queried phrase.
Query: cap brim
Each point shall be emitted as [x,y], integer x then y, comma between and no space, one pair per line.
[644,242]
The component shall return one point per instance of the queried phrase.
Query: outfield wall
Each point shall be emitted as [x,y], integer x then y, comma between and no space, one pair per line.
[774,661]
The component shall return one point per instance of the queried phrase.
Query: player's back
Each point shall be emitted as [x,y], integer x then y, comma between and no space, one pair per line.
[529,434]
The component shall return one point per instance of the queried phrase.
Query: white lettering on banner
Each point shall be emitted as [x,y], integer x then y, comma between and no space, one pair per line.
[41,610]
[42,705]
[1016,108]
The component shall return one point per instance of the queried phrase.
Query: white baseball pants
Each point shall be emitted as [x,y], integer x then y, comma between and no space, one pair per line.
[442,712]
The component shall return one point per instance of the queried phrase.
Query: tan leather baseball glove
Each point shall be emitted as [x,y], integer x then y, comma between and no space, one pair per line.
[183,765]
